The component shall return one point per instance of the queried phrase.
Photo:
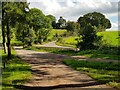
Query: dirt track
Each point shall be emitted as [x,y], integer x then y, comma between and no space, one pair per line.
[49,73]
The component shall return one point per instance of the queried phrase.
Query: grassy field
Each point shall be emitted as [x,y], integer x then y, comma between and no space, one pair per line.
[16,72]
[68,41]
[53,32]
[109,38]
[107,73]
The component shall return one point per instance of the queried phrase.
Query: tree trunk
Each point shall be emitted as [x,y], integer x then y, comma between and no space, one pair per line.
[8,41]
[3,32]
[3,37]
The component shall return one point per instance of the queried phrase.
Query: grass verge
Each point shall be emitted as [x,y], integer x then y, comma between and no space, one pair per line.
[16,72]
[103,72]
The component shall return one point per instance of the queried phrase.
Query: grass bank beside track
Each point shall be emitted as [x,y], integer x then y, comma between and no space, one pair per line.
[16,72]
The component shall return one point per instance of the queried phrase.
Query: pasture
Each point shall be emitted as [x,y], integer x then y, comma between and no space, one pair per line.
[55,32]
[110,38]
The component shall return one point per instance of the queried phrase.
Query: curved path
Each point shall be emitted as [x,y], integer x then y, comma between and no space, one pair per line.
[49,73]
[52,44]
[78,57]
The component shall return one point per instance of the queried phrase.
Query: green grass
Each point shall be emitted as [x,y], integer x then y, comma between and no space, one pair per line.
[16,72]
[110,37]
[103,72]
[103,54]
[71,40]
[68,41]
[54,31]
[14,42]
[44,49]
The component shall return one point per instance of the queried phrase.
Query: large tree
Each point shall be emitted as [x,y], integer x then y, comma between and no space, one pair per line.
[90,24]
[95,19]
[12,12]
[38,21]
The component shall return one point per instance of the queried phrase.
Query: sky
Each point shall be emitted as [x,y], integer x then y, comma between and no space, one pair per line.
[73,9]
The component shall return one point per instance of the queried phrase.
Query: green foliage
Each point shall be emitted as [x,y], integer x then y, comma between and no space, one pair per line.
[90,24]
[88,38]
[61,23]
[73,27]
[37,19]
[42,35]
[12,12]
[95,19]
[53,20]
[25,34]
[101,71]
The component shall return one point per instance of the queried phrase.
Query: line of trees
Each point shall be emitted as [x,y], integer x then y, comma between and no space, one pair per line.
[32,26]
[28,25]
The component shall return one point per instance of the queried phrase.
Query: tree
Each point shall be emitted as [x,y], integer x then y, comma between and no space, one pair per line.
[25,34]
[95,19]
[43,34]
[3,32]
[12,12]
[62,22]
[88,37]
[57,25]
[53,20]
[38,21]
[73,27]
[90,24]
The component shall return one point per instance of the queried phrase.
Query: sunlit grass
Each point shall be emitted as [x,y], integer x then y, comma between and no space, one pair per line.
[16,72]
[109,38]
[103,72]
[53,32]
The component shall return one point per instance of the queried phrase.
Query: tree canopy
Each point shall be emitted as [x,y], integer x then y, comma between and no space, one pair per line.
[12,12]
[95,19]
[53,20]
[90,24]
[62,22]
[73,27]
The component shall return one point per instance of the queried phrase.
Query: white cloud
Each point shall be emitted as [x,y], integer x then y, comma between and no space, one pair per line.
[69,3]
